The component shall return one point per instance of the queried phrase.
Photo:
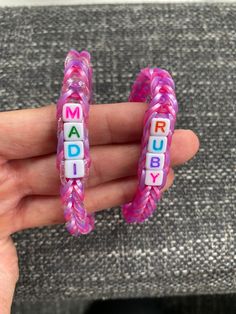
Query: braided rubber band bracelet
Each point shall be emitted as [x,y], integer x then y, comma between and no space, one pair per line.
[73,159]
[156,87]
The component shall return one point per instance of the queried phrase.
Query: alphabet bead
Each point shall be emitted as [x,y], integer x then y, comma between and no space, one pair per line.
[154,178]
[72,112]
[155,161]
[160,126]
[73,131]
[74,169]
[155,157]
[72,116]
[157,144]
[74,150]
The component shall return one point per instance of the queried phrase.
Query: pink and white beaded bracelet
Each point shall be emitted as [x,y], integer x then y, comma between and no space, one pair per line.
[156,87]
[73,159]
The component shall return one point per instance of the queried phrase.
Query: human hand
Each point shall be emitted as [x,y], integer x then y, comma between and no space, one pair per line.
[29,180]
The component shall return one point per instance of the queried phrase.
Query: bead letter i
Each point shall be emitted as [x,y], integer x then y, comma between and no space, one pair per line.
[74,167]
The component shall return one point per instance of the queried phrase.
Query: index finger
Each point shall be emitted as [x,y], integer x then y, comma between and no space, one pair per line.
[32,132]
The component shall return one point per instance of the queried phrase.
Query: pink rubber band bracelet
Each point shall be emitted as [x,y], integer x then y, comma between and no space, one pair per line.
[73,159]
[155,87]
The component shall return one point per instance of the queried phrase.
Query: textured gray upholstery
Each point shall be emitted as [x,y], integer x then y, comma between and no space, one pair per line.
[188,246]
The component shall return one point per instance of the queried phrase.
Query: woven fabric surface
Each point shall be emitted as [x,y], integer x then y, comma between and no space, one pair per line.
[189,245]
[197,304]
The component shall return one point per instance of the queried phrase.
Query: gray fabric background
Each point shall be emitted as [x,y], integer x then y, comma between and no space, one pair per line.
[207,304]
[188,246]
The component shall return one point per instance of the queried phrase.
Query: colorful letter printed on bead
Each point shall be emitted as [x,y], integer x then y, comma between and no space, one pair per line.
[72,115]
[155,156]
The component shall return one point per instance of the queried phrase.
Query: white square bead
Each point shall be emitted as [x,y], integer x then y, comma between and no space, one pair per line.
[74,169]
[154,178]
[74,150]
[155,161]
[72,112]
[73,131]
[160,126]
[157,144]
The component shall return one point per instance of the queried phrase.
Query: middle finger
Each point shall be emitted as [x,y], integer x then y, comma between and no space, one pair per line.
[39,175]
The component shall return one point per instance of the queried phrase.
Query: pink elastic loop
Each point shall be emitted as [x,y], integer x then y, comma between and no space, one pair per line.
[76,88]
[156,87]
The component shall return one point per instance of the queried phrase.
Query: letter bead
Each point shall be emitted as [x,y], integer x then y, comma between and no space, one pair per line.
[74,169]
[160,126]
[154,178]
[74,150]
[73,131]
[157,144]
[155,161]
[72,112]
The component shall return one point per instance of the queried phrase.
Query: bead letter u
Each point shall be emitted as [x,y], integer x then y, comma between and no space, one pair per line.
[154,145]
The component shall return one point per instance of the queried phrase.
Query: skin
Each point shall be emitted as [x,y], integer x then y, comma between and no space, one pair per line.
[29,180]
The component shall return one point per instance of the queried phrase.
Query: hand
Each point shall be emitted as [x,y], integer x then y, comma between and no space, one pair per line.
[29,180]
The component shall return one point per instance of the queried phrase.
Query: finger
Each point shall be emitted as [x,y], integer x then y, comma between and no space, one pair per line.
[9,273]
[184,146]
[32,132]
[38,211]
[109,162]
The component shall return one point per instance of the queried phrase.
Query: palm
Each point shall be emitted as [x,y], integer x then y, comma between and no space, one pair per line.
[29,180]
[9,273]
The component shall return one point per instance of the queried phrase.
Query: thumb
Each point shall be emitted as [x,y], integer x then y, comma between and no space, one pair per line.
[9,274]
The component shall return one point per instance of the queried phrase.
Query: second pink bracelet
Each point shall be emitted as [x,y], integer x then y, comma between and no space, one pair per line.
[156,87]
